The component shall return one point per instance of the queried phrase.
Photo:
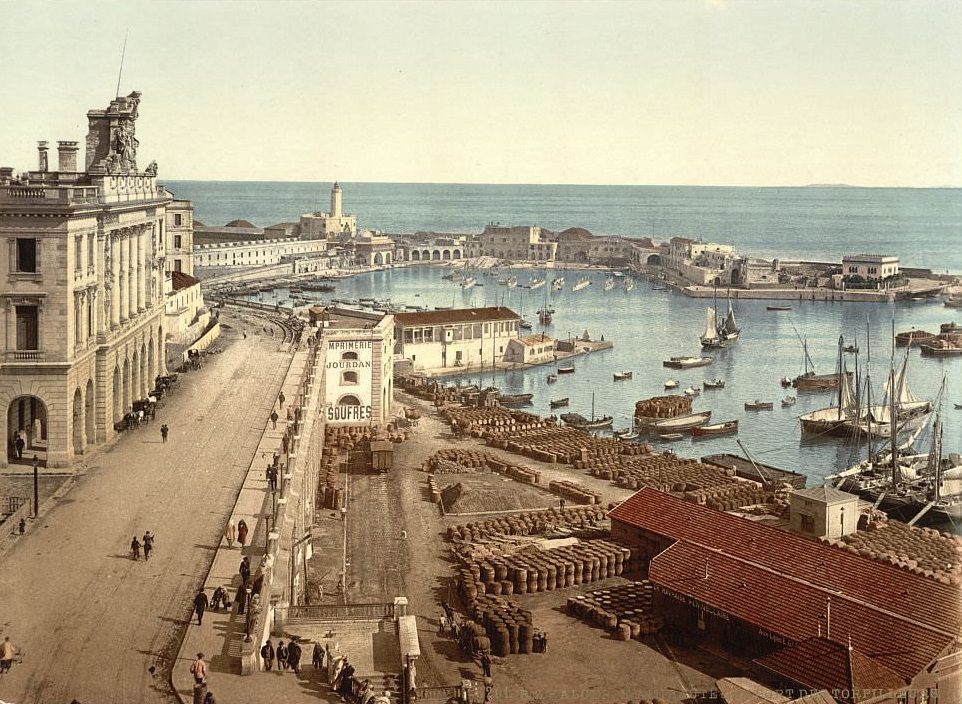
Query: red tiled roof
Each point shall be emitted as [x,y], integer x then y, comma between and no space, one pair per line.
[820,663]
[450,317]
[179,280]
[881,585]
[791,608]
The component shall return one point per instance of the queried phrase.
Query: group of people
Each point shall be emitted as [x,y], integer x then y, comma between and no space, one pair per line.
[236,533]
[288,656]
[146,543]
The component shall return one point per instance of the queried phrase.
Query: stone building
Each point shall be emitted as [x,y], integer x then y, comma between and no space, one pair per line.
[373,249]
[84,294]
[449,339]
[823,511]
[517,244]
[333,225]
[530,349]
[180,230]
[872,267]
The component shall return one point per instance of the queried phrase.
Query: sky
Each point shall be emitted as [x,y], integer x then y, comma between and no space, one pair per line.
[683,92]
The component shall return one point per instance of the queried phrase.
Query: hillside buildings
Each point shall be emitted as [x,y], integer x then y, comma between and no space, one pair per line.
[87,269]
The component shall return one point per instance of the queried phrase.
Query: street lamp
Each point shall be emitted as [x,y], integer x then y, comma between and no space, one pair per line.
[36,487]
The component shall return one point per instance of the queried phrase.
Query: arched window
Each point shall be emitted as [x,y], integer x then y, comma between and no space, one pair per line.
[349,400]
[348,377]
[349,355]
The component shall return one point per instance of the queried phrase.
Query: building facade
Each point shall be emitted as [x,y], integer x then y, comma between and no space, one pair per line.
[873,267]
[243,255]
[86,271]
[452,339]
[823,511]
[333,225]
[530,349]
[523,243]
[180,240]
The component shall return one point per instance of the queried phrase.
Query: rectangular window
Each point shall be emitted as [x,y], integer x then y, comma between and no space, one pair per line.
[28,330]
[177,221]
[27,255]
[177,240]
[177,265]
[808,524]
[90,252]
[78,253]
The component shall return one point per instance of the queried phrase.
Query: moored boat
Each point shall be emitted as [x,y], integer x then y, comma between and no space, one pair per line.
[621,376]
[515,399]
[714,384]
[778,307]
[940,348]
[583,282]
[676,424]
[576,420]
[788,401]
[671,383]
[757,405]
[609,284]
[559,402]
[686,362]
[552,378]
[725,428]
[566,370]
[691,391]
[627,434]
[671,436]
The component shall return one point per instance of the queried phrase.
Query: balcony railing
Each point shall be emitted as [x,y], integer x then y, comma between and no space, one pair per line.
[61,195]
[24,356]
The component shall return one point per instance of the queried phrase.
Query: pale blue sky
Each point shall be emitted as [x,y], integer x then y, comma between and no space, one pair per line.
[705,93]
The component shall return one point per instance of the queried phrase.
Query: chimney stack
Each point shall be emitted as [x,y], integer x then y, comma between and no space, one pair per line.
[67,154]
[42,154]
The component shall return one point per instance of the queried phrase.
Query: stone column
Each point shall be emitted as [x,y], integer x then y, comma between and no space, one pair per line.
[141,267]
[116,291]
[131,242]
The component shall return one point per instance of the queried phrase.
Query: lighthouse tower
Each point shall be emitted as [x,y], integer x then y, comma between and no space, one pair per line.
[336,200]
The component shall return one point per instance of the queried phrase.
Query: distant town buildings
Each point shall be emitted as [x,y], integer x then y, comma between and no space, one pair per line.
[87,267]
[871,267]
[451,339]
[517,243]
[333,226]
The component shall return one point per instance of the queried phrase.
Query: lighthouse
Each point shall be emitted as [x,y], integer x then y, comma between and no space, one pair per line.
[336,200]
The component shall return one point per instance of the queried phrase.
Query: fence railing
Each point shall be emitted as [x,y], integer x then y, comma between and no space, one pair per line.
[315,612]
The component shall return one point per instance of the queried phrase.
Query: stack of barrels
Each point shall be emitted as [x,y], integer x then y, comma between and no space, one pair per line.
[730,496]
[528,523]
[625,610]
[495,419]
[457,460]
[662,407]
[665,472]
[434,489]
[575,492]
[557,444]
[545,570]
[507,627]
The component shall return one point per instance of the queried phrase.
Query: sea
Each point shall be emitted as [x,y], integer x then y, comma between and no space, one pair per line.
[649,324]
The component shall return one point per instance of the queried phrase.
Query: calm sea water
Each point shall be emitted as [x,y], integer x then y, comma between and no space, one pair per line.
[921,226]
[647,325]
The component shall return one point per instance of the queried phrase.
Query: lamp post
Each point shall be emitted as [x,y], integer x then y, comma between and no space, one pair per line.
[36,487]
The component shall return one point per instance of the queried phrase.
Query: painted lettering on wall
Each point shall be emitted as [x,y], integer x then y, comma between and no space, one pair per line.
[336,413]
[348,364]
[350,345]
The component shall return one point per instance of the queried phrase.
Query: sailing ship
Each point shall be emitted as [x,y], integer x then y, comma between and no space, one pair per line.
[629,283]
[576,420]
[558,283]
[609,283]
[720,333]
[583,282]
[810,381]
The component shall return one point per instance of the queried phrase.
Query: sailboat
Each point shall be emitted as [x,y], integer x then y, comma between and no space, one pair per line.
[831,418]
[576,420]
[720,334]
[583,282]
[609,284]
[523,324]
[902,411]
[809,380]
[629,283]
[544,315]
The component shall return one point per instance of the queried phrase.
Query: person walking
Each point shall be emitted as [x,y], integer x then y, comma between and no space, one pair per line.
[346,685]
[200,606]
[272,477]
[230,533]
[135,547]
[19,444]
[281,398]
[245,569]
[267,655]
[294,655]
[198,669]
[163,432]
[485,664]
[219,598]
[242,532]
[317,656]
[281,656]
[148,544]
[274,419]
[7,655]
[241,599]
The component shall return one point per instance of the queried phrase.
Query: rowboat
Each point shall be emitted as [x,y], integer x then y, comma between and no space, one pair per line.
[714,384]
[725,428]
[619,376]
[566,370]
[673,425]
[671,436]
[627,434]
[552,378]
[788,401]
[671,383]
[757,405]
[558,403]
[778,307]
[686,362]
[576,420]
[691,391]
[786,381]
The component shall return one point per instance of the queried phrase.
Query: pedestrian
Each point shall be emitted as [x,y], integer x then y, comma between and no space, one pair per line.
[281,656]
[274,418]
[562,504]
[148,544]
[281,398]
[485,664]
[317,656]
[209,699]
[200,606]
[135,547]
[7,655]
[245,569]
[448,611]
[443,624]
[19,444]
[242,532]
[219,598]
[198,669]
[272,478]
[346,687]
[241,599]
[365,693]
[230,533]
[163,432]
[267,655]
[294,651]
[22,526]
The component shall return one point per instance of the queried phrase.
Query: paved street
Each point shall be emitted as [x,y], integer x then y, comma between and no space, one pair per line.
[91,620]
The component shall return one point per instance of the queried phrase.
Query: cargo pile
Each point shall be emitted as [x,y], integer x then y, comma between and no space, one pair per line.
[475,421]
[497,626]
[661,408]
[923,551]
[566,445]
[665,472]
[528,523]
[459,461]
[625,610]
[731,496]
[575,492]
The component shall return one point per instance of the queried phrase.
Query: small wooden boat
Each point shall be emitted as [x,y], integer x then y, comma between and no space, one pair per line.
[914,337]
[675,424]
[620,376]
[757,405]
[566,370]
[627,434]
[788,401]
[778,307]
[671,436]
[958,406]
[725,428]
[559,402]
[691,391]
[552,378]
[671,383]
[851,349]
[786,381]
[714,384]
[686,362]
[576,420]
[940,348]
[515,399]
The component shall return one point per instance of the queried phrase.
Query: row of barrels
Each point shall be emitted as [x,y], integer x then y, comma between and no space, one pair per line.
[558,568]
[628,449]
[564,445]
[741,491]
[574,491]
[457,460]
[330,496]
[627,611]
[527,523]
[663,407]
[507,628]
[909,564]
[495,416]
[434,490]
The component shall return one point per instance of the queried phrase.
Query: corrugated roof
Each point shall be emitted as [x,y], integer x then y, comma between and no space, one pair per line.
[792,608]
[914,597]
[450,317]
[820,663]
[826,494]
